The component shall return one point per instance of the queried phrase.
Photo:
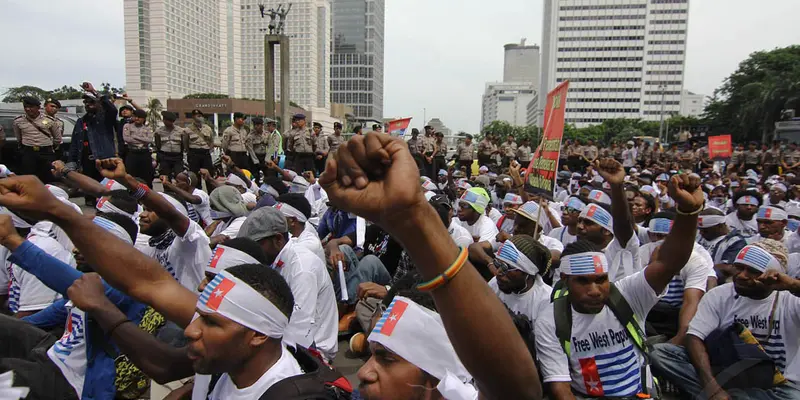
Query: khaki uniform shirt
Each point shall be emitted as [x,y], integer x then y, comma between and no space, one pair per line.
[590,152]
[233,139]
[415,145]
[688,159]
[42,131]
[465,152]
[256,142]
[300,141]
[200,138]
[59,126]
[486,147]
[772,156]
[334,141]
[671,155]
[137,137]
[440,148]
[508,149]
[791,157]
[428,145]
[321,145]
[524,153]
[737,157]
[273,143]
[171,140]
[752,157]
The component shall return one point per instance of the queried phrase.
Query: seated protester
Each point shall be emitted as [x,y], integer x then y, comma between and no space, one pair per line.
[412,357]
[26,293]
[671,315]
[197,201]
[472,206]
[763,299]
[492,212]
[228,210]
[776,195]
[643,206]
[47,228]
[78,364]
[747,203]
[568,232]
[771,225]
[520,263]
[337,227]
[441,203]
[721,243]
[121,202]
[317,199]
[314,320]
[176,242]
[296,209]
[511,202]
[269,191]
[581,339]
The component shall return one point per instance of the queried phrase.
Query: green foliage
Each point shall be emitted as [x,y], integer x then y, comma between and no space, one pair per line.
[15,94]
[154,109]
[206,96]
[502,129]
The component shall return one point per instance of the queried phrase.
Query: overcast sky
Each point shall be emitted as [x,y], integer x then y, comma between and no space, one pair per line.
[439,53]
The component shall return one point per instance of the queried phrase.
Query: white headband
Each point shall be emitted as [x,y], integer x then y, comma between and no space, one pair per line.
[111,184]
[113,228]
[228,296]
[772,213]
[660,225]
[758,258]
[269,190]
[509,253]
[751,200]
[598,215]
[104,205]
[707,221]
[291,212]
[58,192]
[233,179]
[175,203]
[418,335]
[780,187]
[584,264]
[16,219]
[225,257]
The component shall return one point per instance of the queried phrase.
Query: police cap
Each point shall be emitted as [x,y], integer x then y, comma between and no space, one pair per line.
[238,115]
[31,101]
[197,112]
[53,101]
[298,117]
[258,121]
[140,113]
[316,124]
[169,115]
[337,124]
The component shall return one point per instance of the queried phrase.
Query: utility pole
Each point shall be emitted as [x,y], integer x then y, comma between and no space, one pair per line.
[424,115]
[663,103]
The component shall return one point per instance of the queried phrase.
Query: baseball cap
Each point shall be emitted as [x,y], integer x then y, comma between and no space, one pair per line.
[263,223]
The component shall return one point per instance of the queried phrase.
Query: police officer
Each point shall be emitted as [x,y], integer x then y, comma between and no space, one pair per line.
[137,140]
[428,148]
[274,139]
[51,107]
[256,145]
[201,141]
[321,147]
[416,148]
[170,145]
[233,141]
[465,152]
[335,140]
[125,117]
[300,143]
[38,135]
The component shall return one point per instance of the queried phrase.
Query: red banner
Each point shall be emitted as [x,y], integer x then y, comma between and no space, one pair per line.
[719,147]
[397,128]
[541,175]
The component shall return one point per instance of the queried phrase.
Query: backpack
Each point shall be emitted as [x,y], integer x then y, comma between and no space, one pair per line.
[625,315]
[319,382]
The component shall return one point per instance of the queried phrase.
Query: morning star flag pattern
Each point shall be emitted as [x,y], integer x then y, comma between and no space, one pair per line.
[397,128]
[613,374]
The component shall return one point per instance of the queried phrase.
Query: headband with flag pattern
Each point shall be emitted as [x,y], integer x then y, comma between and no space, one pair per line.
[529,210]
[600,197]
[757,258]
[113,228]
[291,212]
[598,215]
[509,253]
[511,198]
[104,205]
[575,203]
[707,221]
[772,213]
[749,200]
[225,257]
[584,264]
[660,225]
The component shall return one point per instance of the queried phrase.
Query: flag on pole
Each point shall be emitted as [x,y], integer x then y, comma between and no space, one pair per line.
[397,128]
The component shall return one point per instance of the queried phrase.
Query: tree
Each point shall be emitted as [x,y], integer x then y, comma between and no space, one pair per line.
[66,93]
[154,108]
[15,94]
[110,90]
[206,96]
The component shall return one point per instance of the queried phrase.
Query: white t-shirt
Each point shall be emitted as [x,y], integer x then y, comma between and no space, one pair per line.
[225,389]
[249,197]
[603,360]
[623,261]
[693,275]
[495,215]
[628,157]
[793,266]
[186,258]
[69,352]
[643,234]
[551,243]
[530,303]
[230,228]
[793,242]
[4,272]
[562,235]
[507,225]
[746,228]
[315,319]
[484,229]
[25,291]
[309,239]
[459,234]
[720,307]
[202,210]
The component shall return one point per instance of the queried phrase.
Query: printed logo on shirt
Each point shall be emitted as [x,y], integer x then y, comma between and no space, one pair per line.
[217,255]
[612,374]
[73,335]
[390,318]
[773,344]
[215,292]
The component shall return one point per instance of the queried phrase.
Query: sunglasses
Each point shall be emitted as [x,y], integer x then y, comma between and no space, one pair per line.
[502,266]
[570,210]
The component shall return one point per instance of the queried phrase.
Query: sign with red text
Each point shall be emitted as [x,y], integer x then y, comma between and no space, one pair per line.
[719,147]
[540,178]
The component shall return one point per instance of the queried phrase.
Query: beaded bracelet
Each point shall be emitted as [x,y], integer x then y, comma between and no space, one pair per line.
[141,191]
[695,212]
[446,276]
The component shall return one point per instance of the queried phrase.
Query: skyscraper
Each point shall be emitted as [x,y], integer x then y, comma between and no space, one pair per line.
[308,26]
[623,58]
[521,63]
[178,47]
[357,59]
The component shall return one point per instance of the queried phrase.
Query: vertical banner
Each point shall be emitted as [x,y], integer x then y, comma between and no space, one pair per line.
[397,128]
[540,178]
[719,148]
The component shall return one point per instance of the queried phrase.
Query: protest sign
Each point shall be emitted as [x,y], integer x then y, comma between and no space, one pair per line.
[719,147]
[541,174]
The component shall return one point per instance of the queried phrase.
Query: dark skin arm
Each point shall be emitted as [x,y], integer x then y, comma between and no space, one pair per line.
[561,391]
[395,202]
[114,168]
[211,183]
[699,358]
[611,170]
[76,179]
[155,358]
[272,168]
[180,193]
[691,298]
[478,252]
[141,277]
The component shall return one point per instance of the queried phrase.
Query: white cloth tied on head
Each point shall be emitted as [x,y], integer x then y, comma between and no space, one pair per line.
[225,257]
[600,197]
[772,213]
[291,212]
[584,264]
[751,200]
[113,228]
[660,225]
[234,180]
[104,205]
[418,335]
[757,258]
[16,219]
[269,189]
[598,215]
[228,296]
[509,253]
[111,184]
[175,203]
[707,221]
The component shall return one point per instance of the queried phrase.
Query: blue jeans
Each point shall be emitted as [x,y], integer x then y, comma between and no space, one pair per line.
[368,269]
[672,363]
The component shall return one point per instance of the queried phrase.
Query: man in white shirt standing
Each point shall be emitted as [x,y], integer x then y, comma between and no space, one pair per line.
[764,299]
[629,156]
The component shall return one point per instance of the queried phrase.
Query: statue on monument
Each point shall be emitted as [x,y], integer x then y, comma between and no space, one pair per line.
[282,14]
[273,14]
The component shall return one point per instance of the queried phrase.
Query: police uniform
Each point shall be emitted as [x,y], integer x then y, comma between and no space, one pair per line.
[464,152]
[416,149]
[428,147]
[300,144]
[509,151]
[274,142]
[59,123]
[38,139]
[233,143]
[486,150]
[334,141]
[121,148]
[201,141]
[256,145]
[138,158]
[321,149]
[170,145]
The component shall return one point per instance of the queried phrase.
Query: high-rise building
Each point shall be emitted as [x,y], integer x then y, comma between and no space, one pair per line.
[507,101]
[308,25]
[692,104]
[357,58]
[177,47]
[620,56]
[521,63]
